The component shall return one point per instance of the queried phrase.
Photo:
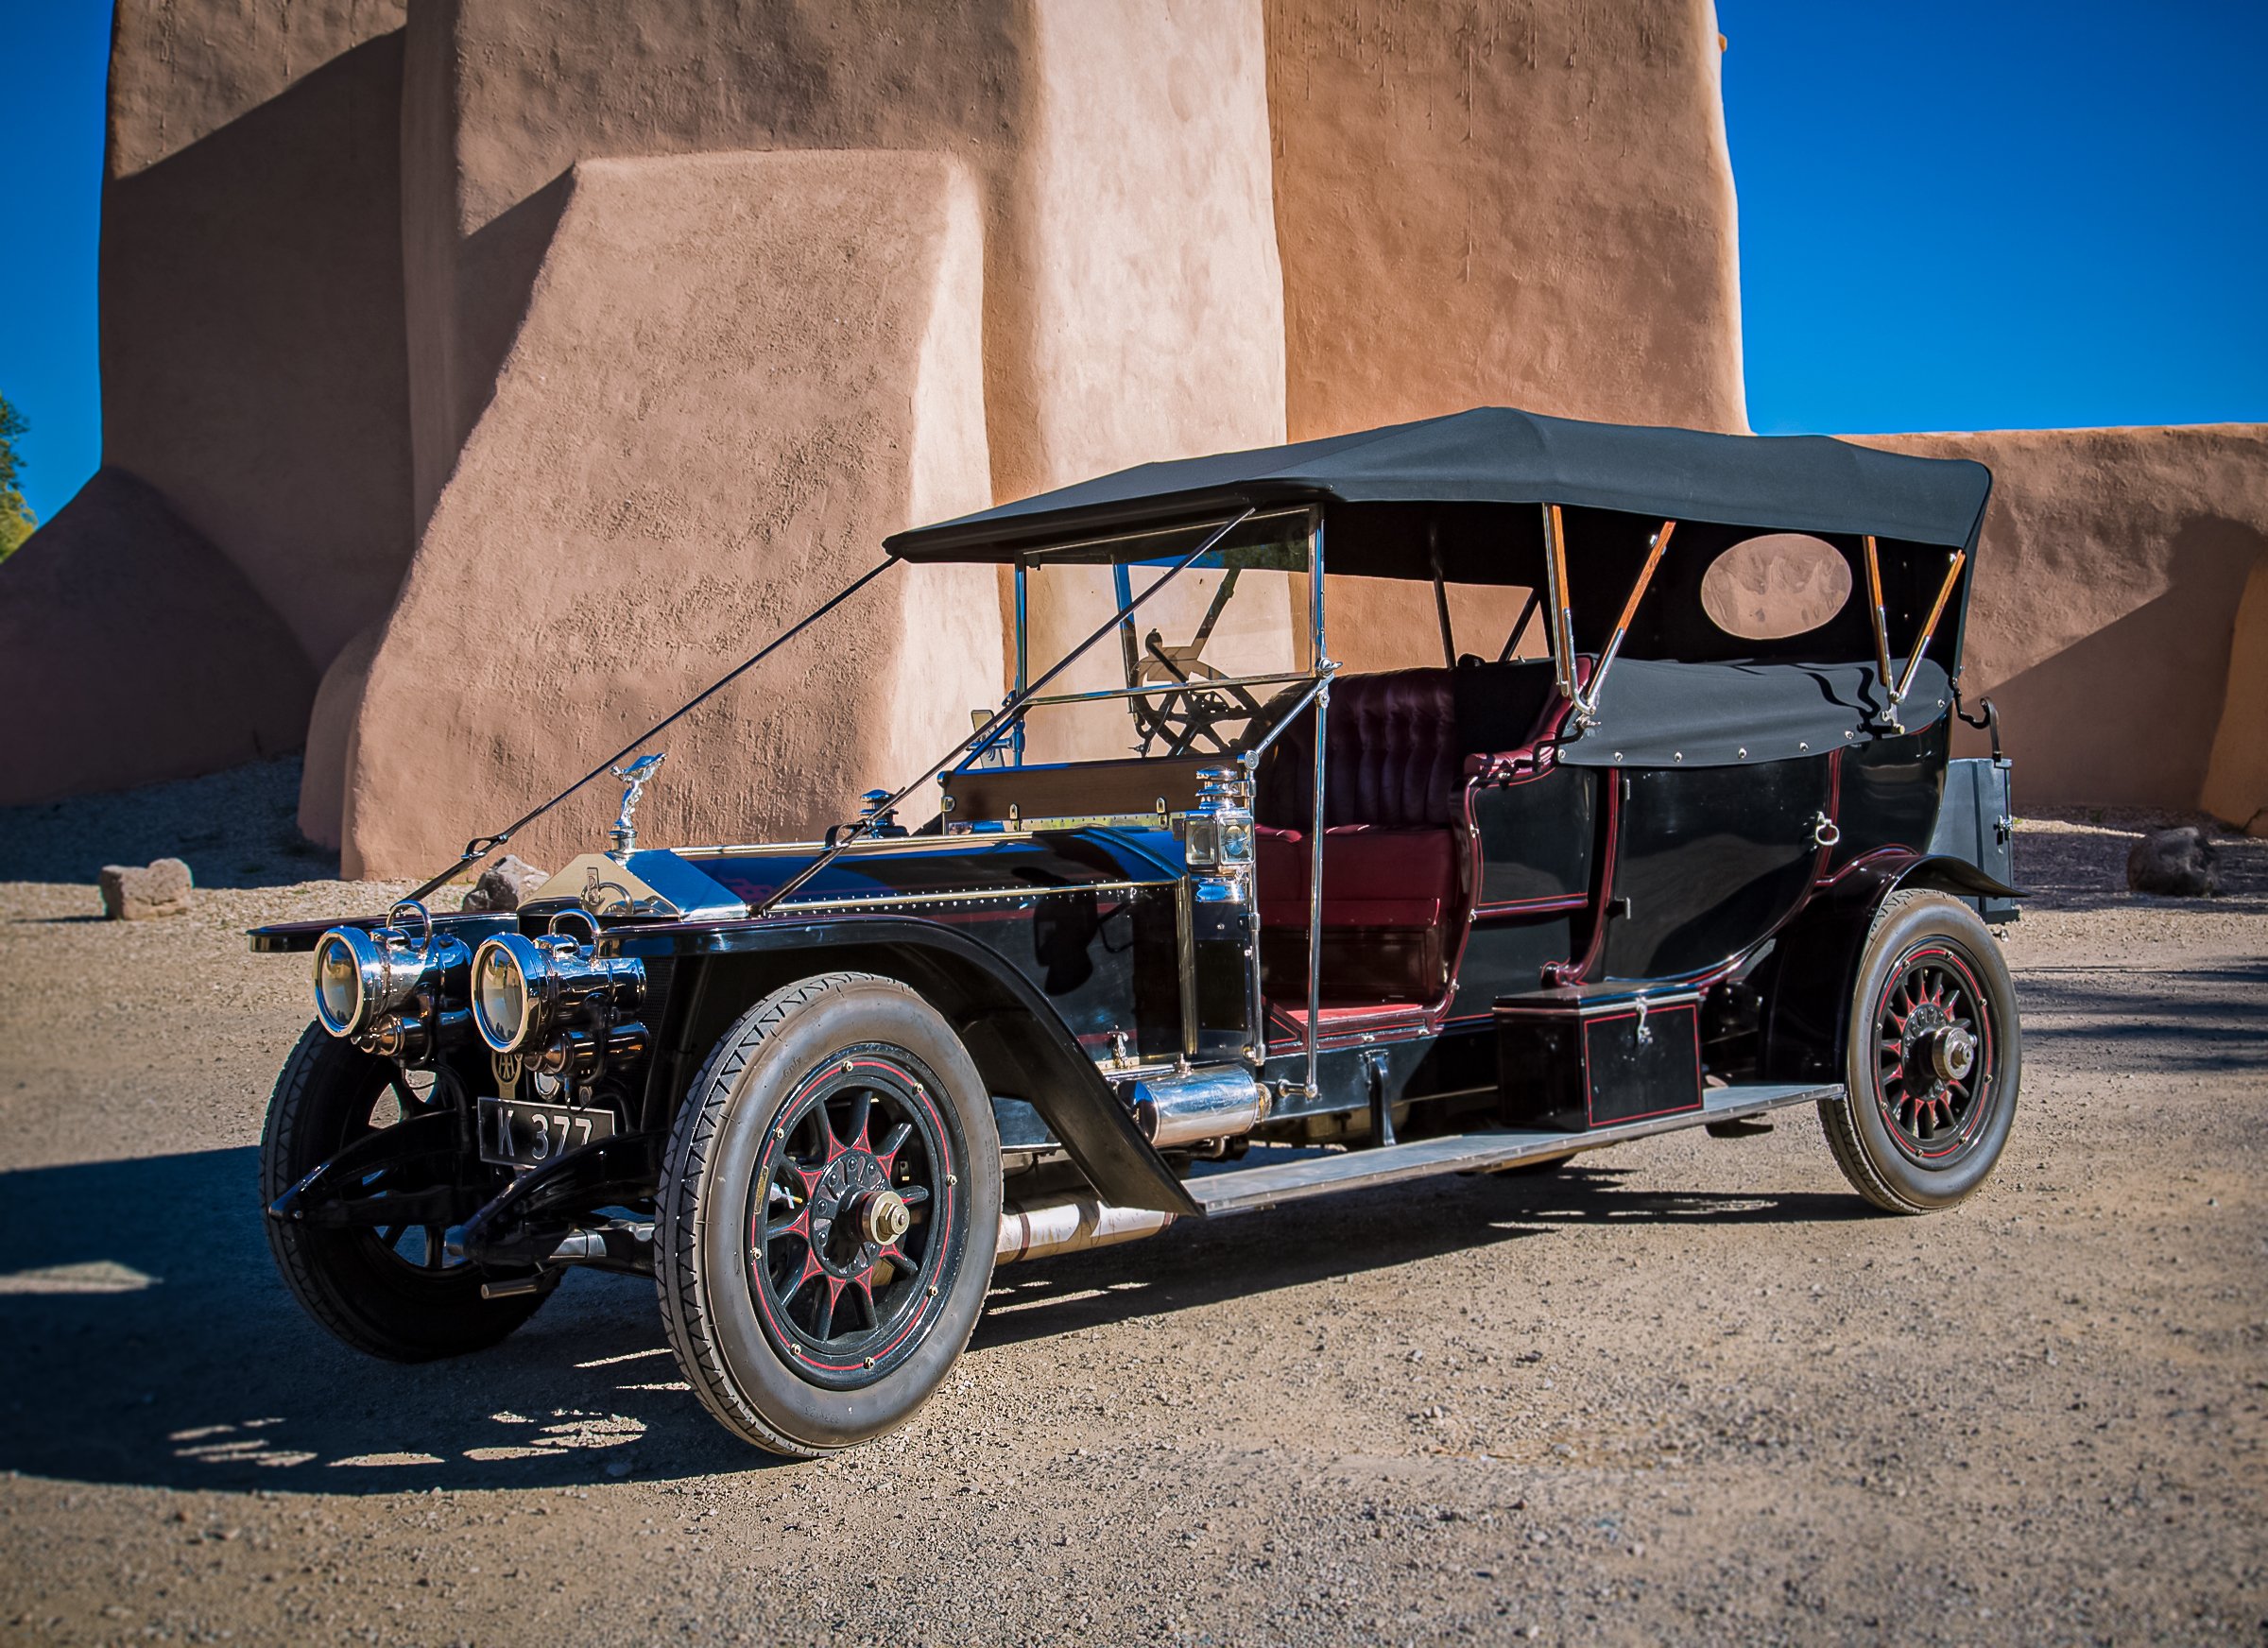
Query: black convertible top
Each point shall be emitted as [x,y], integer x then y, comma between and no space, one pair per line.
[1492,457]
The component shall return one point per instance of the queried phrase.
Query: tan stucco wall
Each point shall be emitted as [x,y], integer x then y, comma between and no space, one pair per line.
[1119,149]
[2106,588]
[2236,779]
[330,738]
[253,353]
[1525,204]
[132,650]
[736,373]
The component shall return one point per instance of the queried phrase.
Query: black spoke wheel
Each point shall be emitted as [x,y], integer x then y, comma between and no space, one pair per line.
[387,1289]
[829,1213]
[850,1217]
[1934,1053]
[1934,1060]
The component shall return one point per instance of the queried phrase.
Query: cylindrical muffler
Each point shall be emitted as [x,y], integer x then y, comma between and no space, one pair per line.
[1071,1224]
[1201,1103]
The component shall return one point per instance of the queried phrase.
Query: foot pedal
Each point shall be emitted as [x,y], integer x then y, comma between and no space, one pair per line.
[1747,1127]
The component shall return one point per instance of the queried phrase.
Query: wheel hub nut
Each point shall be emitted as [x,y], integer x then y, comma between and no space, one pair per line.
[1952,1053]
[882,1217]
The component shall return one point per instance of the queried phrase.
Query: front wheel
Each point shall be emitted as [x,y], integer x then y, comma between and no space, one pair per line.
[388,1290]
[1934,1057]
[829,1214]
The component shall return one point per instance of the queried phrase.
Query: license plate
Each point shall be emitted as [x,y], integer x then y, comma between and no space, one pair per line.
[523,1133]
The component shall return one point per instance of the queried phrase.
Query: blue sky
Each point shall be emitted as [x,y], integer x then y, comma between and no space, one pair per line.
[1999,214]
[1952,216]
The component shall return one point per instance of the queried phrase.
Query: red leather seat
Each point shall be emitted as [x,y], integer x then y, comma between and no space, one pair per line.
[1393,760]
[1372,876]
[1390,880]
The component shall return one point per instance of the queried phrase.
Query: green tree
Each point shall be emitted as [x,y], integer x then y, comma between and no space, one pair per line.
[16,519]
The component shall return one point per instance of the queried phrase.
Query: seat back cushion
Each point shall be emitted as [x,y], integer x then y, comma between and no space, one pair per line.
[1394,758]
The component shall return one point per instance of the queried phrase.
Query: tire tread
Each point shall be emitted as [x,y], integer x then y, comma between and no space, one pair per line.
[682,1213]
[1838,1121]
[289,1106]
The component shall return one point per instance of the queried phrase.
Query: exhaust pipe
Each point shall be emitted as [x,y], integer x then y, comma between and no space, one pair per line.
[1198,1105]
[1071,1224]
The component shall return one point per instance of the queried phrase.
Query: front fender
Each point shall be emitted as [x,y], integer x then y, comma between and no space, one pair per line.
[1015,1034]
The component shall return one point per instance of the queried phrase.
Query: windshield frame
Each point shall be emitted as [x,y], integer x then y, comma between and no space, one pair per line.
[1151,546]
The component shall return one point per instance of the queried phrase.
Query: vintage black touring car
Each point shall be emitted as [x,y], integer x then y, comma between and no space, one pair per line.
[1207,923]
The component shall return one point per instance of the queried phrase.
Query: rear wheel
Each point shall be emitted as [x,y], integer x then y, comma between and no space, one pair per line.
[389,1291]
[1934,1059]
[830,1210]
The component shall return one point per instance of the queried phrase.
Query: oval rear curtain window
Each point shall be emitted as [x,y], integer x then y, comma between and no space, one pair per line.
[1782,584]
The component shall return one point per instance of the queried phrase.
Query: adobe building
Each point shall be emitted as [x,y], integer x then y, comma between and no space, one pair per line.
[482,377]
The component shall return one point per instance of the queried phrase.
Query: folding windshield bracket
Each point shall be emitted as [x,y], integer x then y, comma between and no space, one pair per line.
[1449,633]
[1023,660]
[1562,615]
[1587,706]
[1519,626]
[1894,692]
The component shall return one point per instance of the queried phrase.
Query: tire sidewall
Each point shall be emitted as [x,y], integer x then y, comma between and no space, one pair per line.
[858,1011]
[1900,930]
[372,1303]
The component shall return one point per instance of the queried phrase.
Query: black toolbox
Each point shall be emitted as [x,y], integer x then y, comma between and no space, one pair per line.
[1568,1061]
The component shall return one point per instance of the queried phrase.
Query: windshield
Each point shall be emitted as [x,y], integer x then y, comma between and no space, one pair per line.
[1194,670]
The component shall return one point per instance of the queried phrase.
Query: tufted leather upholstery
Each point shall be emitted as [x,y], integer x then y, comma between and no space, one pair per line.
[1390,878]
[1393,756]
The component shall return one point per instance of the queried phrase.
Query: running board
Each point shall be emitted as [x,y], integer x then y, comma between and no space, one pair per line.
[1250,1190]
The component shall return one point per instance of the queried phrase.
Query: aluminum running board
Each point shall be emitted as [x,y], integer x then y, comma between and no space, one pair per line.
[1248,1190]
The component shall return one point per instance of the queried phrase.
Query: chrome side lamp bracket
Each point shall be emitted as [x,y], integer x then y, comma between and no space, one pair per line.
[1217,837]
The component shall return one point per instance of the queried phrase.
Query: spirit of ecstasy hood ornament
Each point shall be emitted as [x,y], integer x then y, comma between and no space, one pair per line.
[635,776]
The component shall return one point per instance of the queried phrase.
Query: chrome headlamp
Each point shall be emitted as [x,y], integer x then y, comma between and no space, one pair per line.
[364,977]
[511,980]
[525,991]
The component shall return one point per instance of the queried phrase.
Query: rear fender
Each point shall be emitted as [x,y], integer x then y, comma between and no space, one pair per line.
[1808,980]
[1019,1042]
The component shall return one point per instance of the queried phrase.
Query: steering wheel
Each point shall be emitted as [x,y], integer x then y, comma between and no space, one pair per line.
[1185,716]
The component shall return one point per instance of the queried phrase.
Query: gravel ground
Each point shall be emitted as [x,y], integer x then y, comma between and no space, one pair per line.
[1692,1390]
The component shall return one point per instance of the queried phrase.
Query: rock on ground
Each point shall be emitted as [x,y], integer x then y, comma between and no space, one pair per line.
[2181,863]
[143,892]
[505,883]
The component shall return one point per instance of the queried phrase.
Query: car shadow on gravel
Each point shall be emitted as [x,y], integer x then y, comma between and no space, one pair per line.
[1192,1265]
[145,1338]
